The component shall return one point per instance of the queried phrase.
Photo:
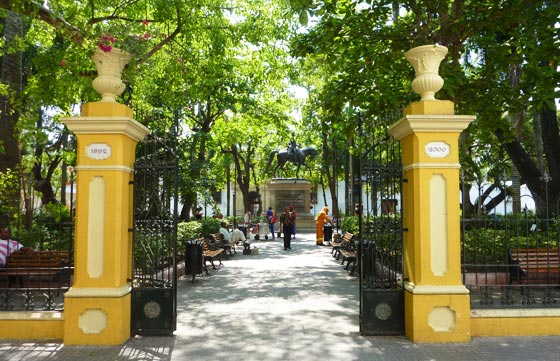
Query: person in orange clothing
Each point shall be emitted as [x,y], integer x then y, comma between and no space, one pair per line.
[322,219]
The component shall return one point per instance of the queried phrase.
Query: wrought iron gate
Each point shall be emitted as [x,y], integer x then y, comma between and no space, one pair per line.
[154,281]
[380,241]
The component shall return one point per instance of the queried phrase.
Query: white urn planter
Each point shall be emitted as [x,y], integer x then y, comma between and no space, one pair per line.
[425,60]
[110,65]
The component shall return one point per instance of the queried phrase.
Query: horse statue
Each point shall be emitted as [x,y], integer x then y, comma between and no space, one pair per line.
[296,156]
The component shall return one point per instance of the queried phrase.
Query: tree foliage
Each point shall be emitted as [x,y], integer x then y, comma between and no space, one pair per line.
[223,70]
[193,62]
[501,67]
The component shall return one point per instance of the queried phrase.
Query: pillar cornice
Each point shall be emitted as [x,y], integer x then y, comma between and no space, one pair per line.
[428,123]
[104,125]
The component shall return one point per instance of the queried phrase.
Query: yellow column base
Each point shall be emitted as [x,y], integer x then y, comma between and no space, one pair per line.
[437,318]
[97,320]
[32,325]
[515,322]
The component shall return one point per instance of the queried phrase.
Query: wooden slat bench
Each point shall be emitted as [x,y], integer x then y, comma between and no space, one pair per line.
[344,241]
[349,255]
[36,269]
[228,247]
[534,265]
[211,252]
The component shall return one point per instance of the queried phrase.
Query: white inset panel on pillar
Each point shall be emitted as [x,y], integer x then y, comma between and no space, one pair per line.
[93,321]
[96,227]
[442,319]
[438,225]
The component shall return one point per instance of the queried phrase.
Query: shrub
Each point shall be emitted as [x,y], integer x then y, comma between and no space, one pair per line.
[209,226]
[350,224]
[151,252]
[485,240]
[187,231]
[51,228]
[205,227]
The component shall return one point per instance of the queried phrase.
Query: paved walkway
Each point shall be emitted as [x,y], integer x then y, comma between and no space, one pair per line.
[280,305]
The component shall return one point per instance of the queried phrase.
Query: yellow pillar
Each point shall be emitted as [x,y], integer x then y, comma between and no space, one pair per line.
[437,304]
[97,306]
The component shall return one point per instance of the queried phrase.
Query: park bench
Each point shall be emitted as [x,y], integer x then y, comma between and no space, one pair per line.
[37,269]
[533,265]
[211,251]
[343,242]
[349,255]
[228,247]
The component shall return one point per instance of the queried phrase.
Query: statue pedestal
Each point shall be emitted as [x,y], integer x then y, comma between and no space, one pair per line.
[283,192]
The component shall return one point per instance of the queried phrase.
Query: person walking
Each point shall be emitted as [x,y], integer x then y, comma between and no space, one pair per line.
[198,213]
[293,212]
[271,217]
[286,221]
[247,220]
[320,221]
[358,210]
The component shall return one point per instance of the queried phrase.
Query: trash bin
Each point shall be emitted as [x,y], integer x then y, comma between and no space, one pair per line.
[193,258]
[327,232]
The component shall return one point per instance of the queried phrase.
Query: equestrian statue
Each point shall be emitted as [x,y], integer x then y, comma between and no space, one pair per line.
[292,154]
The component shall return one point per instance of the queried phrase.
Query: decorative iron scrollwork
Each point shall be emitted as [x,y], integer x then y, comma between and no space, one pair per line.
[486,295]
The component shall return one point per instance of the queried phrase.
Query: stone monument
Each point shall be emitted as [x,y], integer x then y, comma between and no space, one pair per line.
[284,192]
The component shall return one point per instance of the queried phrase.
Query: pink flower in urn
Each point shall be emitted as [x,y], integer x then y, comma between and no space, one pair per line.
[106,43]
[134,39]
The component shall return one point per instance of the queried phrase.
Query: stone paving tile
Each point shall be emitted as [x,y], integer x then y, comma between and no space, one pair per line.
[279,305]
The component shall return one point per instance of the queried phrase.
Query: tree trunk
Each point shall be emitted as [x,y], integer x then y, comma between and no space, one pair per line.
[11,75]
[516,190]
[545,186]
[331,173]
[551,142]
[539,148]
[203,123]
[349,182]
[468,208]
[323,188]
[518,119]
[244,177]
[228,193]
[489,203]
[334,197]
[43,182]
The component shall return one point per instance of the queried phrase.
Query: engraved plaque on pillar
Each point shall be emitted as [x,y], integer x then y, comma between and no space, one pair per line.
[285,198]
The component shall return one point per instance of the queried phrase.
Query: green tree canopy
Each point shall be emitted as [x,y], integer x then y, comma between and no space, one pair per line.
[502,67]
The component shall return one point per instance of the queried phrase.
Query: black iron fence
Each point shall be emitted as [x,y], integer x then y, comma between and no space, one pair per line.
[154,278]
[381,240]
[511,261]
[36,277]
[381,222]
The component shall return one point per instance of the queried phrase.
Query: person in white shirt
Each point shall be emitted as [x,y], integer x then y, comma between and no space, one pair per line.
[8,246]
[247,217]
[224,231]
[235,236]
